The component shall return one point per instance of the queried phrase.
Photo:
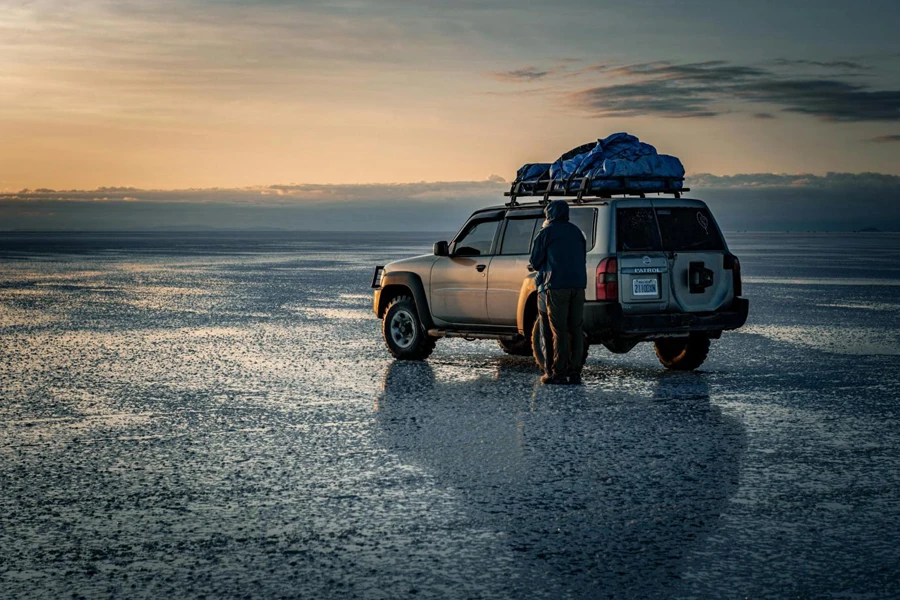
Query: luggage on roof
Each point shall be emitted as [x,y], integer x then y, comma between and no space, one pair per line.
[617,164]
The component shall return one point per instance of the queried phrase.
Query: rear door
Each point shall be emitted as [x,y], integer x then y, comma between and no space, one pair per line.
[509,266]
[643,266]
[696,250]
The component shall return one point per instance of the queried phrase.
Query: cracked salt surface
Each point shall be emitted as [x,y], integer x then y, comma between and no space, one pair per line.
[216,416]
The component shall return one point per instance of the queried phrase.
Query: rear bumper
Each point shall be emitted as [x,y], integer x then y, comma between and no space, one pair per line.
[603,320]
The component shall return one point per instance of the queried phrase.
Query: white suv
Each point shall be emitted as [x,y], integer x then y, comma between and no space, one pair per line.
[659,270]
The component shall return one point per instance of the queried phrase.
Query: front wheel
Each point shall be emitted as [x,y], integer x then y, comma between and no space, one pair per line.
[403,333]
[682,354]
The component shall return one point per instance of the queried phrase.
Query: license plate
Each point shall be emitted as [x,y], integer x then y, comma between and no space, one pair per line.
[645,287]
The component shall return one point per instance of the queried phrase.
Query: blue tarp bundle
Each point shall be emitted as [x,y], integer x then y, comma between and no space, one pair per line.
[607,161]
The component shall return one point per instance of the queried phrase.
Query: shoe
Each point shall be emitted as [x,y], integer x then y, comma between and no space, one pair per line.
[575,379]
[553,379]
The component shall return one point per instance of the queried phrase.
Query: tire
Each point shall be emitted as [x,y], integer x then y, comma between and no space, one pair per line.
[403,333]
[517,347]
[682,354]
[538,346]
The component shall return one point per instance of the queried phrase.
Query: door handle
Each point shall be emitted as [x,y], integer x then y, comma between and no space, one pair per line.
[481,268]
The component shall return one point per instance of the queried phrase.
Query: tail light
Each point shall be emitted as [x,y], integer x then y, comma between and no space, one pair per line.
[608,280]
[733,264]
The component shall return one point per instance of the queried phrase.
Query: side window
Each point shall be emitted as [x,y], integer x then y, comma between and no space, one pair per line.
[585,218]
[636,230]
[518,235]
[477,239]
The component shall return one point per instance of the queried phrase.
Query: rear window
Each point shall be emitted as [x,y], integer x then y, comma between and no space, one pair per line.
[584,218]
[671,229]
[688,229]
[518,235]
[636,230]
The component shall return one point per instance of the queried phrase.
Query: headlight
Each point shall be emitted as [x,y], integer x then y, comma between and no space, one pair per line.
[379,275]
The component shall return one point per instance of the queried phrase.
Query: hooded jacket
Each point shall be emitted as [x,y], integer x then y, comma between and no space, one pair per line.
[559,251]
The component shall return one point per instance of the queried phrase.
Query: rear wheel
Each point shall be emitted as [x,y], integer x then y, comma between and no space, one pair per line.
[540,348]
[517,347]
[682,354]
[403,333]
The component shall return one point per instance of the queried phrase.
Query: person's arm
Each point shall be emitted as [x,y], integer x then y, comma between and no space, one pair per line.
[539,251]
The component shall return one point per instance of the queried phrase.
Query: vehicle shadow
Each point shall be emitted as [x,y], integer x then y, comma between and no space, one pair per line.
[596,492]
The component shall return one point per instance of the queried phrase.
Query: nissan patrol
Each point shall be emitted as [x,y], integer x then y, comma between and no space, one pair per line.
[659,271]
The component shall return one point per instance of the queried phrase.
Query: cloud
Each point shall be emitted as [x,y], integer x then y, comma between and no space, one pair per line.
[885,139]
[524,75]
[764,115]
[305,194]
[421,206]
[759,201]
[801,202]
[651,97]
[712,71]
[826,64]
[711,88]
[827,99]
[830,181]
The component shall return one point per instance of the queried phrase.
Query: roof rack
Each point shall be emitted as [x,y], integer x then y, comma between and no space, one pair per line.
[579,188]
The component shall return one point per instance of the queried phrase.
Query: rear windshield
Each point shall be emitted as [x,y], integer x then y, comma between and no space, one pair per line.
[636,230]
[688,229]
[671,229]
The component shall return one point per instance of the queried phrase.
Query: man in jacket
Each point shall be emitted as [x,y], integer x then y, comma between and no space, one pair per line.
[559,255]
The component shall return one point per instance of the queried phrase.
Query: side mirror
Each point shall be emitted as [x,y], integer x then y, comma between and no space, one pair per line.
[441,249]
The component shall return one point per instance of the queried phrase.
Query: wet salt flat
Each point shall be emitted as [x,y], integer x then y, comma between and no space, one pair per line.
[190,415]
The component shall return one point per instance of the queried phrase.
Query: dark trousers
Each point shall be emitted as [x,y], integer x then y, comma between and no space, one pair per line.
[565,311]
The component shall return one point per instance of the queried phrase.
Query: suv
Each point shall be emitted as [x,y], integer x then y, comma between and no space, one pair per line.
[658,270]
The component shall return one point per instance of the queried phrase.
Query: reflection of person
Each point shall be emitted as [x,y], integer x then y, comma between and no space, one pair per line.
[546,349]
[559,255]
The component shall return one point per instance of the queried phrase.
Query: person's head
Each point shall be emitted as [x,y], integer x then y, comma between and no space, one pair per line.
[558,210]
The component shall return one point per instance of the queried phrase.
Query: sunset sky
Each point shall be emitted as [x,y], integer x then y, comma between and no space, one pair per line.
[198,93]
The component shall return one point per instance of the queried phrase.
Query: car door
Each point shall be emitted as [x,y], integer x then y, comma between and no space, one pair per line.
[696,253]
[643,266]
[509,266]
[459,281]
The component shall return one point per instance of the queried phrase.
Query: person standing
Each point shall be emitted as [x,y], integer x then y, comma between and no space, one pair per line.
[559,255]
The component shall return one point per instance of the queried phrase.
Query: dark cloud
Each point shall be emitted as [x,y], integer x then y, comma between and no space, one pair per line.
[707,89]
[827,99]
[652,97]
[848,65]
[713,71]
[886,139]
[524,75]
[764,115]
[590,69]
[832,181]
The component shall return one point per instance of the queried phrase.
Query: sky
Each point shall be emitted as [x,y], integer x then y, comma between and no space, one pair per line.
[213,109]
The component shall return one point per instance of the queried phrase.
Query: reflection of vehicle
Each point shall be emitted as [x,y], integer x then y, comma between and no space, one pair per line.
[658,270]
[591,495]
